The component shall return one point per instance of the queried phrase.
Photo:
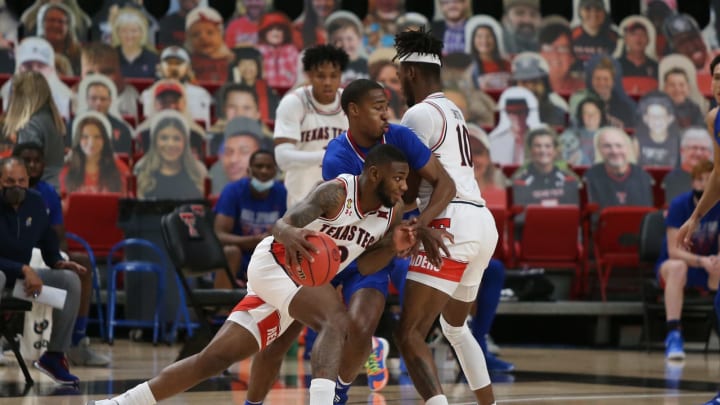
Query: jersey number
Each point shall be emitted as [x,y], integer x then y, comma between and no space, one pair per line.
[464,143]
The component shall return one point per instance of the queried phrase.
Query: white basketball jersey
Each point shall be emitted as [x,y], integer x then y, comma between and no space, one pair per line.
[312,125]
[441,126]
[352,230]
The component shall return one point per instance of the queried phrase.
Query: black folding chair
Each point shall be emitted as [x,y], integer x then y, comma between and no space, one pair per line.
[10,308]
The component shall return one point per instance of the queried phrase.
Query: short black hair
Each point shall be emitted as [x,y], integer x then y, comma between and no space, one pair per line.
[22,147]
[319,54]
[714,63]
[384,154]
[550,32]
[262,152]
[419,41]
[224,91]
[356,90]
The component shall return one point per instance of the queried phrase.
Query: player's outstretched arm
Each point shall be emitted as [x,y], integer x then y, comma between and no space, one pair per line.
[397,241]
[325,200]
[710,196]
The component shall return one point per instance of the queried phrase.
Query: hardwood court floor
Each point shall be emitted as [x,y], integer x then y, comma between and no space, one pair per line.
[544,376]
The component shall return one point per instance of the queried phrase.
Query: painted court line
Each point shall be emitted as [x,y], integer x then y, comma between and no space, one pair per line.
[598,397]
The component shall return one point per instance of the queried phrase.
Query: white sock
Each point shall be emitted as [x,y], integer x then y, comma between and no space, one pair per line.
[322,391]
[468,352]
[437,400]
[140,395]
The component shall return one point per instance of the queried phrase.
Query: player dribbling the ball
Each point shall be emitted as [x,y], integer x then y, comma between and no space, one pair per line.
[368,208]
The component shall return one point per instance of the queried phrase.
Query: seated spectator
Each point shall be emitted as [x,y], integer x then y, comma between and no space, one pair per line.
[209,55]
[541,181]
[97,93]
[247,70]
[657,136]
[56,24]
[521,21]
[92,166]
[381,22]
[243,30]
[595,34]
[677,86]
[483,41]
[243,137]
[451,27]
[235,100]
[492,182]
[657,11]
[345,31]
[455,76]
[103,59]
[170,95]
[578,142]
[518,112]
[31,26]
[565,71]
[636,54]
[280,56]
[678,269]
[129,37]
[604,80]
[385,72]
[175,64]
[22,207]
[172,26]
[616,179]
[101,29]
[696,145]
[80,352]
[469,107]
[684,37]
[248,208]
[168,170]
[530,71]
[33,117]
[310,25]
[8,35]
[36,55]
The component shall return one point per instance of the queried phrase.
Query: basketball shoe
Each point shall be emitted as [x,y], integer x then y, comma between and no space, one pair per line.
[375,366]
[674,346]
[55,366]
[714,401]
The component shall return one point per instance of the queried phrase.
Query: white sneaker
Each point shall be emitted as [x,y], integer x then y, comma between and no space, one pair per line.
[103,402]
[83,355]
[491,346]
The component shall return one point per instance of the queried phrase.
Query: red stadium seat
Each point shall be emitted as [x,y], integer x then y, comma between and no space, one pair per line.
[93,217]
[615,241]
[561,249]
[502,250]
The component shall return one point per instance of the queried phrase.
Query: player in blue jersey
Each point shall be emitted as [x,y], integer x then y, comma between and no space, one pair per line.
[366,105]
[711,195]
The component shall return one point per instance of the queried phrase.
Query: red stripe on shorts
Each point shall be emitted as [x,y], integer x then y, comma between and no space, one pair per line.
[452,270]
[269,326]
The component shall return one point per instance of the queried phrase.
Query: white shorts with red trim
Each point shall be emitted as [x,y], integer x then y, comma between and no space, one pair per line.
[264,310]
[473,229]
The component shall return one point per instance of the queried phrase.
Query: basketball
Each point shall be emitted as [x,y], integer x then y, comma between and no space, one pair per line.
[325,266]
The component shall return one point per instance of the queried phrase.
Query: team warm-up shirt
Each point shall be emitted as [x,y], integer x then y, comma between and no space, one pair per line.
[352,230]
[441,126]
[312,125]
[633,188]
[530,186]
[344,155]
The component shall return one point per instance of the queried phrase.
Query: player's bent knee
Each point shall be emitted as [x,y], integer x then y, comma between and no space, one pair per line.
[453,333]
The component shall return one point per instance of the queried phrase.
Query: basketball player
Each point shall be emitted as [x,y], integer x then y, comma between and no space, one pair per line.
[366,106]
[362,214]
[448,290]
[711,195]
[307,118]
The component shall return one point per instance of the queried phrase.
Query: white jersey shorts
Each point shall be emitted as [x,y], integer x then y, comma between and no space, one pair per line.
[473,229]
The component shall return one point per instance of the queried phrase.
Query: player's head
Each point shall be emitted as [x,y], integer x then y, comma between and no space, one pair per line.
[366,106]
[419,54]
[386,168]
[323,65]
[715,72]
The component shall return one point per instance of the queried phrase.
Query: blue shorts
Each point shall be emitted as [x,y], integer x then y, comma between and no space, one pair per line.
[697,277]
[352,281]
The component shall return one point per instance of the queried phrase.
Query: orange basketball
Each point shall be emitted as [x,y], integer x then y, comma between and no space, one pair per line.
[325,266]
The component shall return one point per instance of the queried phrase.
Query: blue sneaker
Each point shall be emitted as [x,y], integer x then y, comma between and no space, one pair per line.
[674,346]
[714,401]
[496,365]
[56,367]
[375,366]
[341,393]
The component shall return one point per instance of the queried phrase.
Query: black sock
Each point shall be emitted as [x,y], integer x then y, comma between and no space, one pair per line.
[673,325]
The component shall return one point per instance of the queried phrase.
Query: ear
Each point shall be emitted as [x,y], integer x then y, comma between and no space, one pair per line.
[353,108]
[373,174]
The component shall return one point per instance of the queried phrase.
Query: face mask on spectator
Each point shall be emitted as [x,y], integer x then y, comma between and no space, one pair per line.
[261,186]
[13,195]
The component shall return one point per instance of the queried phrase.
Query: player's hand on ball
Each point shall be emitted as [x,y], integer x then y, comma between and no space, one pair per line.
[296,246]
[404,239]
[433,241]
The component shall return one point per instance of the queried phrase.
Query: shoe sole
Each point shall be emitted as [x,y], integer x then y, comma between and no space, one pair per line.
[52,377]
[676,356]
